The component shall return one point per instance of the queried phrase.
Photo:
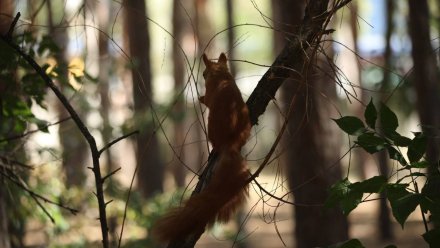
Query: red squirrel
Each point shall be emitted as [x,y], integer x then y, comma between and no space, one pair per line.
[228,130]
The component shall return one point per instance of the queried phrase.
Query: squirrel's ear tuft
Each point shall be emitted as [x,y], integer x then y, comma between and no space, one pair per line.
[206,60]
[222,59]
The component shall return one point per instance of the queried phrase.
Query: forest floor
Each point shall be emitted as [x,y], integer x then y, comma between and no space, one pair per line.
[260,230]
[363,226]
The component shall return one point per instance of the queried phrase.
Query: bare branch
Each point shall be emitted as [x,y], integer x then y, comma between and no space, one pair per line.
[12,27]
[116,141]
[10,138]
[34,195]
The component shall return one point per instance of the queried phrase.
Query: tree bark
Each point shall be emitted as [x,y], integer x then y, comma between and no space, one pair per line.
[6,17]
[313,146]
[231,35]
[179,170]
[74,148]
[384,221]
[426,80]
[150,168]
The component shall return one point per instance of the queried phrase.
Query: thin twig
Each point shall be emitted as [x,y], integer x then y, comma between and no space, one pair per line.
[10,138]
[116,141]
[111,174]
[36,195]
[12,27]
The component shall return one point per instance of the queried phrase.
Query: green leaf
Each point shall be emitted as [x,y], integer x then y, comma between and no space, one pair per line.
[432,237]
[388,120]
[371,143]
[370,114]
[403,203]
[417,148]
[396,155]
[90,77]
[41,124]
[342,194]
[419,165]
[371,185]
[397,139]
[352,243]
[350,124]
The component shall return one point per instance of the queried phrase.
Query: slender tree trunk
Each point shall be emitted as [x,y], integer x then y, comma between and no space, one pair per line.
[179,170]
[150,168]
[426,80]
[104,11]
[231,34]
[313,151]
[384,223]
[6,17]
[313,167]
[73,145]
[203,27]
[361,157]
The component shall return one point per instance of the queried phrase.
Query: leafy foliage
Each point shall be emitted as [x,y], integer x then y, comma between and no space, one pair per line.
[377,134]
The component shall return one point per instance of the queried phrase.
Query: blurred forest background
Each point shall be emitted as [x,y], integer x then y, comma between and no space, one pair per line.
[134,65]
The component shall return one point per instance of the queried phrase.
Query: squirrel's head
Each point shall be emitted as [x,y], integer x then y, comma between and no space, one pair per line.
[215,69]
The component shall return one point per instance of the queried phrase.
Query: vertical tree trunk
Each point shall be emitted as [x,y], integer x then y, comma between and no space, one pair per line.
[203,27]
[231,34]
[361,157]
[6,17]
[73,145]
[312,156]
[104,11]
[384,223]
[426,82]
[313,164]
[150,169]
[179,171]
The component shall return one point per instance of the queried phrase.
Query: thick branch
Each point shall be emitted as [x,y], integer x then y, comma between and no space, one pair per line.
[291,60]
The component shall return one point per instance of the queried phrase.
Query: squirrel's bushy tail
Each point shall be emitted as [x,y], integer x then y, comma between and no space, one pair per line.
[224,194]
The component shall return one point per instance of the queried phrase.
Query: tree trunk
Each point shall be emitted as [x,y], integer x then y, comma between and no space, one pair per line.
[313,151]
[104,11]
[73,145]
[203,27]
[361,157]
[426,80]
[231,35]
[313,164]
[179,170]
[384,223]
[150,168]
[6,17]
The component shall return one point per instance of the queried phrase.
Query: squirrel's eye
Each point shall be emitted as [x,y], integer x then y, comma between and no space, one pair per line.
[205,73]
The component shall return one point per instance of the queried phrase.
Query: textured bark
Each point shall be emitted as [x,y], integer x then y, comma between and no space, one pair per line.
[313,145]
[150,168]
[313,162]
